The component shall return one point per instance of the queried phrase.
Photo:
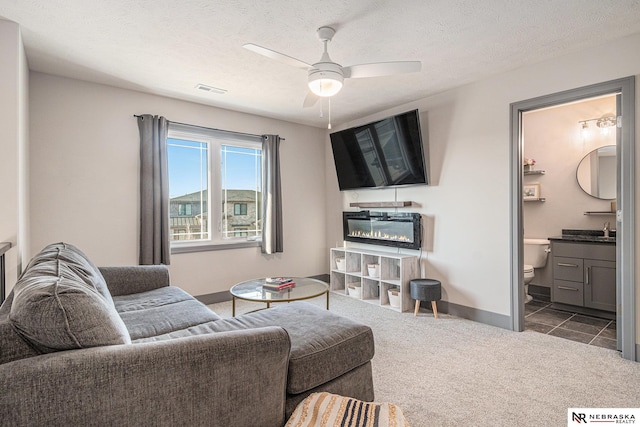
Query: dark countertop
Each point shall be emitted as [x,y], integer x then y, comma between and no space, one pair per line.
[592,236]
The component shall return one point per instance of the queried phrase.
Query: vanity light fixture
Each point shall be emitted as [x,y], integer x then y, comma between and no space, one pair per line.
[606,122]
[603,123]
[585,129]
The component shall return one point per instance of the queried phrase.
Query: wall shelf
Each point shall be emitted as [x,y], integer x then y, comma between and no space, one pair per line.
[534,172]
[599,213]
[380,204]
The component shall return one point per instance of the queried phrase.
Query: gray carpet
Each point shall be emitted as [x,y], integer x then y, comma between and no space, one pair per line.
[454,372]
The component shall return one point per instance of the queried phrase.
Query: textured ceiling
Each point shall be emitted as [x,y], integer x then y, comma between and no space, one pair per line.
[167,47]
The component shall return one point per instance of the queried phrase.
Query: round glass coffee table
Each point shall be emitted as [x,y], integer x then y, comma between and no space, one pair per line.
[252,290]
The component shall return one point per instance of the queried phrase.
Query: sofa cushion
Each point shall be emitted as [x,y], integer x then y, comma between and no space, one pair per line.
[323,345]
[161,312]
[54,309]
[77,262]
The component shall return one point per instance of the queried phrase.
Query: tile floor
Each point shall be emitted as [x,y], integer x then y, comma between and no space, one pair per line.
[540,317]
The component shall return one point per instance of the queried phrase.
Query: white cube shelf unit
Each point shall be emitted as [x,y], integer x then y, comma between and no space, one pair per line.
[394,272]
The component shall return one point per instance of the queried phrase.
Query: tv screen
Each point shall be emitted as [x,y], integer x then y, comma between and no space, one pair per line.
[385,153]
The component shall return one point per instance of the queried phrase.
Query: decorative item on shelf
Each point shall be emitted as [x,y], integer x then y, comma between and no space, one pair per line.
[531,191]
[374,270]
[529,164]
[340,264]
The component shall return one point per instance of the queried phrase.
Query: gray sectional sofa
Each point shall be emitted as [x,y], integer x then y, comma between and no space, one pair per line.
[81,345]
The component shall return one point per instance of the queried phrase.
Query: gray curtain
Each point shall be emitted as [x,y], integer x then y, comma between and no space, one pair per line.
[154,190]
[271,195]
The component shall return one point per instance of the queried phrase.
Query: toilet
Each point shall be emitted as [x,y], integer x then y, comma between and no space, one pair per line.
[536,252]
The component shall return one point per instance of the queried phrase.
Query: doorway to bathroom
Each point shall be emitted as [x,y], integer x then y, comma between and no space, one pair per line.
[557,142]
[569,193]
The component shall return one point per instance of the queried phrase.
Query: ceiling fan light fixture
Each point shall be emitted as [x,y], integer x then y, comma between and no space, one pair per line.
[325,83]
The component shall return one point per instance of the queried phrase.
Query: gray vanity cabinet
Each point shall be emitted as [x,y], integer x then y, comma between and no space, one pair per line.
[600,284]
[584,274]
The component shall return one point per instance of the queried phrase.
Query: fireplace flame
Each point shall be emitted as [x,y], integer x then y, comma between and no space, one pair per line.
[379,235]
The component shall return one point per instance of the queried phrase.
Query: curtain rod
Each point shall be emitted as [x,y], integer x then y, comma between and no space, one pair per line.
[214,129]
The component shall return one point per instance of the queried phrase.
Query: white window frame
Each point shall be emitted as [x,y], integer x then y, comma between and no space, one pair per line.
[214,140]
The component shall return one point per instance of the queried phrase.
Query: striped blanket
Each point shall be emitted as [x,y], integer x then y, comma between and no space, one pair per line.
[331,410]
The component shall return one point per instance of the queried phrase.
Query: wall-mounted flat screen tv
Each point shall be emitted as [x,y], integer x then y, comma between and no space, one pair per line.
[384,153]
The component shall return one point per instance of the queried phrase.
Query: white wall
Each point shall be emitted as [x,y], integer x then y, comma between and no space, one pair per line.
[553,137]
[85,185]
[467,206]
[14,141]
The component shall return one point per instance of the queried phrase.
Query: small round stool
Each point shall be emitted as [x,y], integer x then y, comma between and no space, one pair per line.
[426,290]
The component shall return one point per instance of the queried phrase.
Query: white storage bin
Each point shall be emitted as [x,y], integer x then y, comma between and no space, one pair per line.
[374,270]
[394,298]
[355,291]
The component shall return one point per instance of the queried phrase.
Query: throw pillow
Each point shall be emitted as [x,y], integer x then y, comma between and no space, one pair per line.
[53,309]
[77,261]
[329,410]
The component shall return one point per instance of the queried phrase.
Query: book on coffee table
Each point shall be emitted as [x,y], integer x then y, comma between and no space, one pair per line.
[277,280]
[278,291]
[278,283]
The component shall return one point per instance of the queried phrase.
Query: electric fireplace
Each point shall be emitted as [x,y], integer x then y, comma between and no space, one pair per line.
[400,230]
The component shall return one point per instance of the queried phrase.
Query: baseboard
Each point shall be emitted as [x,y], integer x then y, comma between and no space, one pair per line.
[477,315]
[214,298]
[638,353]
[584,310]
[322,277]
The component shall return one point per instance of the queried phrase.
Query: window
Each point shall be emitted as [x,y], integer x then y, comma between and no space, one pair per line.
[240,209]
[240,232]
[185,209]
[210,168]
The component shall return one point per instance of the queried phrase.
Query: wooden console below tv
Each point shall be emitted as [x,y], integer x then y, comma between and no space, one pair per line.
[380,204]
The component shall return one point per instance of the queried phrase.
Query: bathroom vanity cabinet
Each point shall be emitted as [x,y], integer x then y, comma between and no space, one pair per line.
[584,274]
[351,275]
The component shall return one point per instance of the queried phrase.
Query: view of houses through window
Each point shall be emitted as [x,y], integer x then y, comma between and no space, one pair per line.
[215,187]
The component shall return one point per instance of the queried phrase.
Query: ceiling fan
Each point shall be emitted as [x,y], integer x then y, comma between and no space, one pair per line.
[325,76]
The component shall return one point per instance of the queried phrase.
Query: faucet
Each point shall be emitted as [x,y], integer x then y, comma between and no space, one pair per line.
[606,229]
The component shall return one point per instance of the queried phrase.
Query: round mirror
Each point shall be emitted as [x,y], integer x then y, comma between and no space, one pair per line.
[596,173]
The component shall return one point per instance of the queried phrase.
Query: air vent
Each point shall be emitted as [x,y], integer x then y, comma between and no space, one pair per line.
[211,89]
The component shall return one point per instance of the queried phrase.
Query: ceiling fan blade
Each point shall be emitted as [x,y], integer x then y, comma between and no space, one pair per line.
[310,100]
[277,56]
[381,69]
